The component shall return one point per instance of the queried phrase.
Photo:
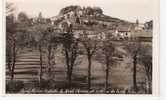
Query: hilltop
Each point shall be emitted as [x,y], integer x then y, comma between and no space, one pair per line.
[88,18]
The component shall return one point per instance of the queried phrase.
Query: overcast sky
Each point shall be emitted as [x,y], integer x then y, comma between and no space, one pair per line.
[125,9]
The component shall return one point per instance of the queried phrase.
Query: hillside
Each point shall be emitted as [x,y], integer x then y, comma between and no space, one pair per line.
[88,18]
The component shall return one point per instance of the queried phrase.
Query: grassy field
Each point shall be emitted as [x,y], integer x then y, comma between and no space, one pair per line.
[28,65]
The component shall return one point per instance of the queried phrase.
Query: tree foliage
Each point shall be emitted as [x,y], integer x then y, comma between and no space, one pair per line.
[90,46]
[9,8]
[133,49]
[70,51]
[93,10]
[11,33]
[88,10]
[69,9]
[145,58]
[23,19]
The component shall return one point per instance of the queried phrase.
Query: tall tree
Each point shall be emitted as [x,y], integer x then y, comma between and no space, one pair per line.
[105,56]
[38,34]
[11,51]
[11,26]
[70,51]
[52,41]
[145,58]
[9,8]
[23,20]
[133,51]
[108,51]
[90,45]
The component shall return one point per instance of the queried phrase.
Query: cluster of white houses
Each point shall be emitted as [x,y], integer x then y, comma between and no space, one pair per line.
[73,19]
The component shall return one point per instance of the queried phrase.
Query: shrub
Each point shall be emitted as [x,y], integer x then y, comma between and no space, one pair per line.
[48,84]
[14,86]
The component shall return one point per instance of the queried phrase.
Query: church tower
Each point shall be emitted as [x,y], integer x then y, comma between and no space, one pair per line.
[40,18]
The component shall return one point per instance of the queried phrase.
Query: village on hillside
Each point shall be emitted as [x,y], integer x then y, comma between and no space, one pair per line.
[79,51]
[82,19]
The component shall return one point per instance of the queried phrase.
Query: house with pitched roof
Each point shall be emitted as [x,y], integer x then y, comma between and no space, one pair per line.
[122,32]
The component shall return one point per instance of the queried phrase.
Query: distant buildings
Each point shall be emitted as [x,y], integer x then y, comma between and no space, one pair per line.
[97,27]
[143,32]
[142,35]
[123,32]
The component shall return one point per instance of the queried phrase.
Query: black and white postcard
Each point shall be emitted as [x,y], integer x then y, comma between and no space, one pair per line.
[81,47]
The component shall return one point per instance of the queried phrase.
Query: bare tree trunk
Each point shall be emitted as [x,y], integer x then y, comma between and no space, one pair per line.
[69,74]
[14,60]
[89,73]
[135,73]
[149,83]
[106,76]
[69,68]
[69,79]
[41,65]
[149,78]
[49,57]
[9,64]
[150,86]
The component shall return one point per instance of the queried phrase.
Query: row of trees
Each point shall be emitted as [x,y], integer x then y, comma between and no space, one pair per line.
[19,34]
